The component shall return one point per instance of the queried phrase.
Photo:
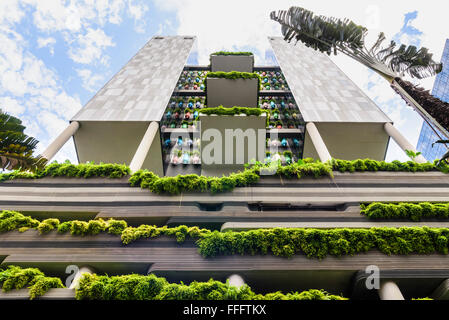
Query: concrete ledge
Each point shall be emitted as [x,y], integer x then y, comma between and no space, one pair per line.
[242,226]
[52,294]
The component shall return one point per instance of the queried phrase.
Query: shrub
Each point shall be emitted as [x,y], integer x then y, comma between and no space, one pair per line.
[233,111]
[410,211]
[11,220]
[66,169]
[281,242]
[373,165]
[138,287]
[228,53]
[17,278]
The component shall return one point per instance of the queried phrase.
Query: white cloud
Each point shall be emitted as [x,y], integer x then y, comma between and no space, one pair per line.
[90,81]
[47,42]
[90,46]
[32,90]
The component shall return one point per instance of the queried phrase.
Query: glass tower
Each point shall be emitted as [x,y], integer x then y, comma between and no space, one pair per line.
[441,91]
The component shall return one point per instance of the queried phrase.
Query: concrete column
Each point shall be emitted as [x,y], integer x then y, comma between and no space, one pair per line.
[79,275]
[236,281]
[389,290]
[60,141]
[142,151]
[402,141]
[318,142]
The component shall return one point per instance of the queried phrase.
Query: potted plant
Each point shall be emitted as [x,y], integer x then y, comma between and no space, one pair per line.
[288,156]
[186,158]
[196,157]
[176,157]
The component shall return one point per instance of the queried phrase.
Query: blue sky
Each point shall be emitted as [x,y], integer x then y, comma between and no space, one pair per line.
[55,54]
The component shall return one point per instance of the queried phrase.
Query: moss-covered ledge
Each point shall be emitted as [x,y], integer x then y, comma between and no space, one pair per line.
[282,242]
[194,183]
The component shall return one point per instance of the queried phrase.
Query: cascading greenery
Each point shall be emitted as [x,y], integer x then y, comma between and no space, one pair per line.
[368,165]
[195,183]
[234,75]
[410,211]
[188,183]
[17,278]
[229,53]
[282,242]
[138,287]
[222,111]
[66,169]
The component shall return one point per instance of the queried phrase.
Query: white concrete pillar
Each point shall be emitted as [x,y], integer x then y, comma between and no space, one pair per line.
[79,275]
[60,141]
[389,290]
[402,141]
[318,142]
[142,151]
[236,281]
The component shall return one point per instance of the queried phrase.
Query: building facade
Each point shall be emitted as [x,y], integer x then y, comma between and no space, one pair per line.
[146,117]
[441,91]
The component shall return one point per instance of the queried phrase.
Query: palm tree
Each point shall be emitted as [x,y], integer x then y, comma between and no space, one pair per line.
[16,148]
[332,35]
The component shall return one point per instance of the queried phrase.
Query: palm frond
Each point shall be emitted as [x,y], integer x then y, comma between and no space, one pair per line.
[16,148]
[332,35]
[440,141]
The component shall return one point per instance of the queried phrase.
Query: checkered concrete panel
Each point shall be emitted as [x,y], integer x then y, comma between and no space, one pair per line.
[142,89]
[323,92]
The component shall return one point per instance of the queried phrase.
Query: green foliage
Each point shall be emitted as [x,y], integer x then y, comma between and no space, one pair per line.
[17,278]
[410,211]
[233,75]
[138,287]
[412,154]
[228,53]
[233,111]
[132,234]
[279,242]
[16,148]
[373,166]
[192,183]
[11,220]
[320,243]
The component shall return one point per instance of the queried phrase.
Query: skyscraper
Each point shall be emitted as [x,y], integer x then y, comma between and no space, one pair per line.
[171,119]
[441,91]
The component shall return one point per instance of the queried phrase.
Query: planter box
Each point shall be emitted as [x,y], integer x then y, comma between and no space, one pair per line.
[232,63]
[229,142]
[232,92]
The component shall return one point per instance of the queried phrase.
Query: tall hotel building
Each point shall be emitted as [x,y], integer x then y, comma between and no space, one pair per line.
[441,91]
[146,117]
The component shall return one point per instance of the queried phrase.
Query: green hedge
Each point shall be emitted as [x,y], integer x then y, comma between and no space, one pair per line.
[138,287]
[320,243]
[17,278]
[251,175]
[233,75]
[12,220]
[194,183]
[229,53]
[410,211]
[233,111]
[66,169]
[279,242]
[397,166]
